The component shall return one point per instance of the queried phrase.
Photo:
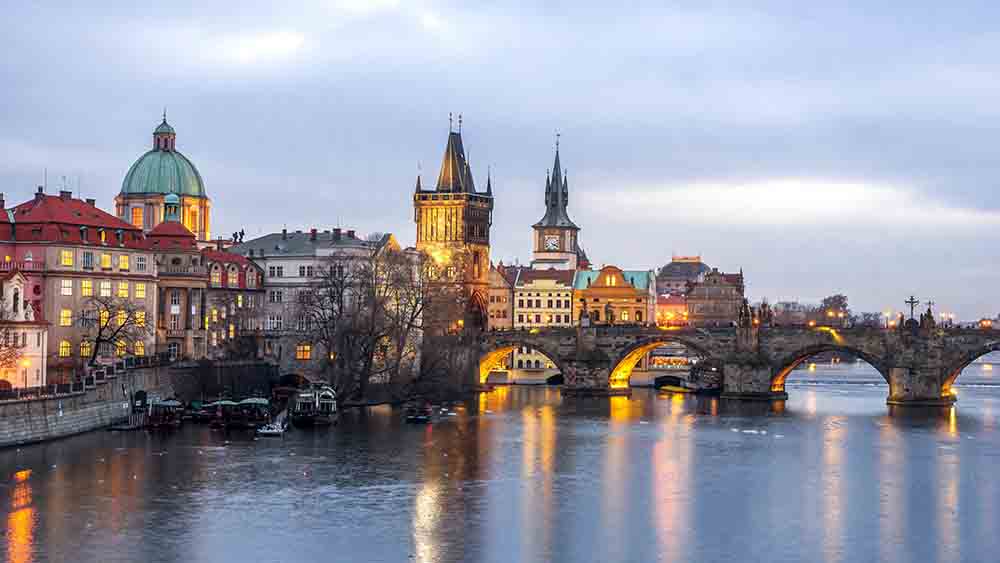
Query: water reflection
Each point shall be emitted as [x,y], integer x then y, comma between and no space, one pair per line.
[521,474]
[21,520]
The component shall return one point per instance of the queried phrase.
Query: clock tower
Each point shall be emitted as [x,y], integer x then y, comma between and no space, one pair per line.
[556,241]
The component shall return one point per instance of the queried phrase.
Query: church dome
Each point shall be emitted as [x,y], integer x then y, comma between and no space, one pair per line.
[163,170]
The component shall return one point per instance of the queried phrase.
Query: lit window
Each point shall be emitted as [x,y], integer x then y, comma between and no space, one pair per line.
[123,261]
[140,291]
[232,330]
[251,279]
[85,349]
[140,318]
[65,317]
[66,287]
[206,323]
[106,261]
[140,348]
[624,315]
[137,216]
[120,317]
[239,300]
[215,315]
[65,348]
[303,352]
[123,289]
[216,276]
[234,277]
[86,288]
[104,238]
[120,347]
[66,257]
[105,288]
[105,317]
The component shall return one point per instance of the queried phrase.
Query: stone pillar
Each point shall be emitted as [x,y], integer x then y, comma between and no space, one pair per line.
[748,381]
[919,386]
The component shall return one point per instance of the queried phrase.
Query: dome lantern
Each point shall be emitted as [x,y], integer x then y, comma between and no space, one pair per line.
[164,136]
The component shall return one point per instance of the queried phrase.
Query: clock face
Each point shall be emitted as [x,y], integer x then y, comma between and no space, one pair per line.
[552,242]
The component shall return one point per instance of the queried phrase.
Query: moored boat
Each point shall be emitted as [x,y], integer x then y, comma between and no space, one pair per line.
[314,406]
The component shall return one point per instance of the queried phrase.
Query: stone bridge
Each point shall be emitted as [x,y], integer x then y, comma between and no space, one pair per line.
[749,362]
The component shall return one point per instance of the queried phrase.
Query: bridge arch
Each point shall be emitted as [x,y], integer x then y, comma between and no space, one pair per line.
[953,371]
[788,363]
[621,369]
[496,351]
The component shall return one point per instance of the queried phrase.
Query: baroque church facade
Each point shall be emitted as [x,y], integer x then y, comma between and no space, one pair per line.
[161,171]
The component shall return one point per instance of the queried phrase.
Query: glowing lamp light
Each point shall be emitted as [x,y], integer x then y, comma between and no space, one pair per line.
[812,323]
[26,363]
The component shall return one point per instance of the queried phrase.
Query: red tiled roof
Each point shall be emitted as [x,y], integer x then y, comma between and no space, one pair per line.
[529,275]
[47,218]
[171,235]
[671,299]
[214,255]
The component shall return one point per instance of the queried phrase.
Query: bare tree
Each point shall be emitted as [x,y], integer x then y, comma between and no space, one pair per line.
[10,345]
[235,320]
[113,321]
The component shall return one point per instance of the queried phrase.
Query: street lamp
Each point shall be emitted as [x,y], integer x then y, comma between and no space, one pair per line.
[25,364]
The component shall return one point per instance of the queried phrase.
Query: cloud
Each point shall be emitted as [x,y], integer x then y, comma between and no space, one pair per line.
[796,202]
[258,47]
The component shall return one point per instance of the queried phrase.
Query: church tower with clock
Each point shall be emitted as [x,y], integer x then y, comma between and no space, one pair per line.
[556,237]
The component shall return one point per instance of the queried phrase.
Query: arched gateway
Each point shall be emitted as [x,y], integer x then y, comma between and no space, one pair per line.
[920,366]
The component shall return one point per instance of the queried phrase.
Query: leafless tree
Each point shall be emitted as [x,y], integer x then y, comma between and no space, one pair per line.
[10,346]
[370,311]
[235,321]
[112,321]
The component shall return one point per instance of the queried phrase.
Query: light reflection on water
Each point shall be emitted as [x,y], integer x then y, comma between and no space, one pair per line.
[522,475]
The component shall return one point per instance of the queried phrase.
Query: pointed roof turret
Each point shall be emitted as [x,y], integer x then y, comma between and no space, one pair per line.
[556,197]
[455,175]
[489,181]
[418,188]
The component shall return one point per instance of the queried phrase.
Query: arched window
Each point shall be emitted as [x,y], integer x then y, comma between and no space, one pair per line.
[17,301]
[86,349]
[538,364]
[65,348]
[234,276]
[216,275]
[520,364]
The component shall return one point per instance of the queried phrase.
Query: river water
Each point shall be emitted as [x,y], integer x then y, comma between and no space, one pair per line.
[521,475]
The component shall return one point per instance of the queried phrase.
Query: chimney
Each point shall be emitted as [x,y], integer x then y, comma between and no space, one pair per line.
[91,202]
[350,233]
[218,244]
[312,234]
[40,193]
[65,195]
[336,234]
[3,204]
[284,234]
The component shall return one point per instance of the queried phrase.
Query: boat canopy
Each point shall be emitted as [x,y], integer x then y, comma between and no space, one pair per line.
[255,401]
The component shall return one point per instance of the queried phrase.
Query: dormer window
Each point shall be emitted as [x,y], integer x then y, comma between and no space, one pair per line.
[83,234]
[104,236]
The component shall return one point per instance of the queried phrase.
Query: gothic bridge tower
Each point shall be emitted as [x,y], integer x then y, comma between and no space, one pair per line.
[453,228]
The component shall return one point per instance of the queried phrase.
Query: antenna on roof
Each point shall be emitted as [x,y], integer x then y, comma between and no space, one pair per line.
[557,139]
[460,124]
[449,123]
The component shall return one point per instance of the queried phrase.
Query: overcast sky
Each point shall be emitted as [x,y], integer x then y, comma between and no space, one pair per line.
[849,148]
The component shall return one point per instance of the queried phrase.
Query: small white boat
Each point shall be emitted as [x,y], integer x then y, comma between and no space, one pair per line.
[272,429]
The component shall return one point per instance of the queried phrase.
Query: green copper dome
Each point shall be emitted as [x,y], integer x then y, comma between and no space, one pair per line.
[163,170]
